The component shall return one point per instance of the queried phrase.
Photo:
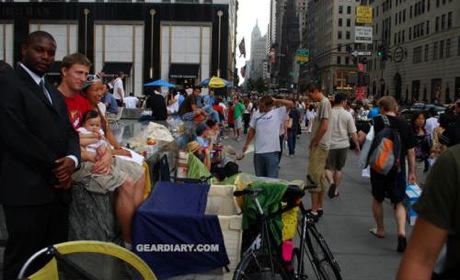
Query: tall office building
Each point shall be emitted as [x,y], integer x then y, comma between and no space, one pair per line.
[258,53]
[330,36]
[183,41]
[421,40]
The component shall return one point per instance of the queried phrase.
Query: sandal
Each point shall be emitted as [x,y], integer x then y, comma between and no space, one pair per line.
[373,231]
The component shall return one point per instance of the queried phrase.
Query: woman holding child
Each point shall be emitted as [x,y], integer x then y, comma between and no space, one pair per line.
[125,177]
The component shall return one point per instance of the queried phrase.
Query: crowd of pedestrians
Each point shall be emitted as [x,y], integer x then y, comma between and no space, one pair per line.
[54,136]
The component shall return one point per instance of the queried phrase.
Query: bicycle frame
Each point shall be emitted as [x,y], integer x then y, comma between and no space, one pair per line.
[262,240]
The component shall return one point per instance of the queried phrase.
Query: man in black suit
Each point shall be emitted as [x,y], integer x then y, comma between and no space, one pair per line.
[40,151]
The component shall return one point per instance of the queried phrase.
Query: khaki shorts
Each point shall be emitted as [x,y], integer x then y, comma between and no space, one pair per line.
[239,122]
[316,168]
[119,172]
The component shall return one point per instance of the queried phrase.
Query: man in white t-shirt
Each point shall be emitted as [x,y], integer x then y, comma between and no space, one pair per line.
[118,89]
[431,122]
[131,101]
[264,126]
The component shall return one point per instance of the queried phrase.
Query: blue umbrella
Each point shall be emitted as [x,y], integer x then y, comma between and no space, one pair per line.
[205,82]
[160,83]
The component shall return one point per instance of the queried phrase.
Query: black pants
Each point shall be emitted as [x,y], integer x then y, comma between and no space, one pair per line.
[31,228]
[246,120]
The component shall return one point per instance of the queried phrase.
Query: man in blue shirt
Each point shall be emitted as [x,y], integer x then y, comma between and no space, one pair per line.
[110,103]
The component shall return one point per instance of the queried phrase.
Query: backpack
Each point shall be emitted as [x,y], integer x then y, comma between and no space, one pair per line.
[385,151]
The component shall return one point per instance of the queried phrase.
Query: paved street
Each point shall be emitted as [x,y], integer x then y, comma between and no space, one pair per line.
[347,218]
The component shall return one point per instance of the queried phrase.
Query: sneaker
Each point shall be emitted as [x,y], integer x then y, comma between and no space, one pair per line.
[314,217]
[402,244]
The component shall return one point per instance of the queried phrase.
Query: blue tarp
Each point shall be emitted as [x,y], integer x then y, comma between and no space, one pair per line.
[170,228]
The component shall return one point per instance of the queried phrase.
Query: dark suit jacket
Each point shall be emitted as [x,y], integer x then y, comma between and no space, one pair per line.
[34,134]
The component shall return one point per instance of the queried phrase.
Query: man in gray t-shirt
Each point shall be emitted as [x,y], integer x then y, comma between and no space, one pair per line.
[319,149]
[342,126]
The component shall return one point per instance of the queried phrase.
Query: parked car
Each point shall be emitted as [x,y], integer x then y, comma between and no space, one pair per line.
[409,111]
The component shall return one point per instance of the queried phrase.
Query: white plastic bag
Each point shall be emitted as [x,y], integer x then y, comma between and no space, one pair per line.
[158,132]
[366,147]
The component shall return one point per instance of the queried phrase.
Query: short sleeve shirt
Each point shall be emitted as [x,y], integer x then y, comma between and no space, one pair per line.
[118,84]
[238,110]
[341,125]
[77,107]
[324,112]
[266,125]
[405,131]
[186,106]
[439,203]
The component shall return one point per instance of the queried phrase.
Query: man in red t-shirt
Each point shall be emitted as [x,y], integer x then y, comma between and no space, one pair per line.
[75,75]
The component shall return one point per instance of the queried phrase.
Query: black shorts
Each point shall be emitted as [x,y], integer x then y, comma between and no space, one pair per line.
[336,159]
[231,125]
[392,186]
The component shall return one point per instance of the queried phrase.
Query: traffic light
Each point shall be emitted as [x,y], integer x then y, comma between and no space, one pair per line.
[380,50]
[363,79]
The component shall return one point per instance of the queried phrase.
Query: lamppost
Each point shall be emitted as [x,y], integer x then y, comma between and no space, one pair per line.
[152,23]
[86,12]
[219,14]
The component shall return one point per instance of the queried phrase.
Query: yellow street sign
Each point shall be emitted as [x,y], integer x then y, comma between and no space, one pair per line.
[363,14]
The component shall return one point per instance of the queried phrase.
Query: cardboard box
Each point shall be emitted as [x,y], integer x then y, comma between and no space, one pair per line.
[413,193]
[222,203]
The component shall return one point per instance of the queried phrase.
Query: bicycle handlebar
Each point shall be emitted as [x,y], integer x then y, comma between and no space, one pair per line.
[247,192]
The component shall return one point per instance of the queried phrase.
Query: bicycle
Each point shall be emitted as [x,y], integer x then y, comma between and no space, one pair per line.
[262,261]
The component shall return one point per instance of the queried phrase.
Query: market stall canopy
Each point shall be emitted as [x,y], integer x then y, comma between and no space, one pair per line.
[215,82]
[160,83]
[184,71]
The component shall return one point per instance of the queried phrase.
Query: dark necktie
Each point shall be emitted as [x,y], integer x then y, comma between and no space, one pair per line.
[45,91]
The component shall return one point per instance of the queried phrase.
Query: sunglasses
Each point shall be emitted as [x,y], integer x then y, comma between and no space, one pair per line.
[92,77]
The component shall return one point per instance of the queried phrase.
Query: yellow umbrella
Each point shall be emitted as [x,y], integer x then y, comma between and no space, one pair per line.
[216,82]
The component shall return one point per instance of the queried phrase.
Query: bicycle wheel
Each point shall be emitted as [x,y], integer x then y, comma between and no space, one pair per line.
[298,269]
[256,265]
[323,259]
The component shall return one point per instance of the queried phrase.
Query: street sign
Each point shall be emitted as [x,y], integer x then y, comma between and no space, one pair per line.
[303,52]
[363,34]
[302,56]
[361,53]
[363,14]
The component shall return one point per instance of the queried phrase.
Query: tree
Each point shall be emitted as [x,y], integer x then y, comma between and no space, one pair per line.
[260,85]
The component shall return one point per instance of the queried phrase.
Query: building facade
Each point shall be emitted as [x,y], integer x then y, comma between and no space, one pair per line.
[419,43]
[258,53]
[330,38]
[183,41]
[422,44]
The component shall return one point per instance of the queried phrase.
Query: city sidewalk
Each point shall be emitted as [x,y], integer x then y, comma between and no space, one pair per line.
[347,218]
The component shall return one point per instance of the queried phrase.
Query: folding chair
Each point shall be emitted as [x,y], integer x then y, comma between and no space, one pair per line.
[73,260]
[116,120]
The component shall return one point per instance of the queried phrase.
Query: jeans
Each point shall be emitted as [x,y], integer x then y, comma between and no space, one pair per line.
[292,138]
[266,164]
[213,114]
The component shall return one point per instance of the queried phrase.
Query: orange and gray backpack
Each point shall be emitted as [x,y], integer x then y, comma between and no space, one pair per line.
[385,151]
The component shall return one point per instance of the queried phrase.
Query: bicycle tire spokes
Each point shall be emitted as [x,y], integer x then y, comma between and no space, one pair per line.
[260,266]
[326,266]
